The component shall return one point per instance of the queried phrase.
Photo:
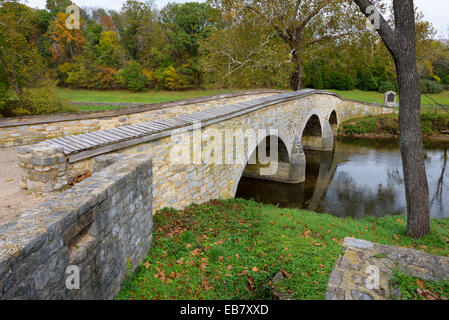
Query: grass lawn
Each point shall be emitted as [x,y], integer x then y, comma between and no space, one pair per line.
[134,97]
[122,96]
[377,97]
[231,249]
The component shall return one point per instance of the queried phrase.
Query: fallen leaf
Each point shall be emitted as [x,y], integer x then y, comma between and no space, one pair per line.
[255,269]
[286,274]
[421,283]
[147,264]
[250,281]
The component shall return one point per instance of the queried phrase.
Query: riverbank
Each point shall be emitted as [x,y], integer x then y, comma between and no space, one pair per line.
[434,126]
[231,249]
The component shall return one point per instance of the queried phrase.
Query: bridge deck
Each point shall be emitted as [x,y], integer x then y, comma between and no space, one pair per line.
[86,145]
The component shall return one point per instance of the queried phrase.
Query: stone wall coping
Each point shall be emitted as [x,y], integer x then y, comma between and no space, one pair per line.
[130,109]
[45,223]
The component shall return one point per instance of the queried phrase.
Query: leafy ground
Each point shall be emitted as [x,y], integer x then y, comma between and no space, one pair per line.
[231,249]
[416,289]
[431,124]
[377,97]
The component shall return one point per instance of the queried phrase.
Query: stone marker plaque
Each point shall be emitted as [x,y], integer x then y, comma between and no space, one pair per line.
[390,99]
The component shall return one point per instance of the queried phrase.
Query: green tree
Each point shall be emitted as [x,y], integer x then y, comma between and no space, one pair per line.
[56,6]
[130,23]
[366,80]
[245,54]
[110,52]
[20,63]
[301,24]
[132,77]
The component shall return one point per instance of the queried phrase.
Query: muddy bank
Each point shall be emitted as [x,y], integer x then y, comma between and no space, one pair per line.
[436,137]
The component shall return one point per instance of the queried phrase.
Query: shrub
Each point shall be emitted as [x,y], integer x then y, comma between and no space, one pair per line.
[42,100]
[151,77]
[366,81]
[341,81]
[106,78]
[132,77]
[431,86]
[436,122]
[168,78]
[386,86]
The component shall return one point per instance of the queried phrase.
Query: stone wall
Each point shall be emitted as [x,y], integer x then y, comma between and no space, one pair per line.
[28,130]
[364,270]
[103,225]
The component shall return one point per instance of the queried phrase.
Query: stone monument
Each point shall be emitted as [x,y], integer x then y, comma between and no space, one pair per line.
[390,99]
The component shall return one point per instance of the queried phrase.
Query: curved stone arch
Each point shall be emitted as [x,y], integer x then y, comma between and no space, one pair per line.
[325,140]
[239,168]
[333,121]
[306,119]
[313,140]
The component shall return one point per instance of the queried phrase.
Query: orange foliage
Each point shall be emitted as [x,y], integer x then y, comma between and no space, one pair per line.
[67,43]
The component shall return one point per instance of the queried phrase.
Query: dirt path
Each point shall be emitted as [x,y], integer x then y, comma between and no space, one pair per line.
[13,199]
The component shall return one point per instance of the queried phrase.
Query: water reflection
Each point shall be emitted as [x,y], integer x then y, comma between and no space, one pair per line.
[359,178]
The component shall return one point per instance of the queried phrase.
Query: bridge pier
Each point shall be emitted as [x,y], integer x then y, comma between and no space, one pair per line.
[286,172]
[327,138]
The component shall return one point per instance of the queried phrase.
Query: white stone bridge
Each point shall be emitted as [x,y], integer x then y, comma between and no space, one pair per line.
[293,120]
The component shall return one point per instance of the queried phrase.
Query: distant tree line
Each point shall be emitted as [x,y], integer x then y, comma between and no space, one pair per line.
[220,43]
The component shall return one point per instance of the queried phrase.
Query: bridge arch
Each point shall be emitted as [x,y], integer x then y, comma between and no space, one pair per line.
[312,132]
[333,122]
[252,166]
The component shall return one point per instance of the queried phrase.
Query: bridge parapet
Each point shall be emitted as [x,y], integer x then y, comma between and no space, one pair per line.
[32,129]
[96,230]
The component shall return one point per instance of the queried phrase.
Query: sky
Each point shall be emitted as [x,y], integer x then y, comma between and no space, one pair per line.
[435,11]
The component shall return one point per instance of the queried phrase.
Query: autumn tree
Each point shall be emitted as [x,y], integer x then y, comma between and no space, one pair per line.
[300,23]
[67,43]
[187,24]
[110,51]
[245,54]
[20,63]
[400,41]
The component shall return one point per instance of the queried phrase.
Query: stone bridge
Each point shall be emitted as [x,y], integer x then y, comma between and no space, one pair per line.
[291,122]
[142,162]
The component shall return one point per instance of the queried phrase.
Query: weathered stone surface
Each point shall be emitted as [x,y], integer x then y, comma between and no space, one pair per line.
[352,277]
[103,225]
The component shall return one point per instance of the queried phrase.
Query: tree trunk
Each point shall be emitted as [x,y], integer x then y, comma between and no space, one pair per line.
[412,152]
[401,44]
[296,76]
